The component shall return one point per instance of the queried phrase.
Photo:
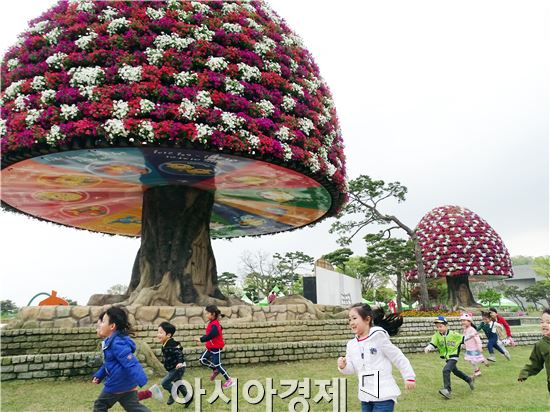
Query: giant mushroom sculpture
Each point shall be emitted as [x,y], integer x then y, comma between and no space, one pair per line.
[175,121]
[459,246]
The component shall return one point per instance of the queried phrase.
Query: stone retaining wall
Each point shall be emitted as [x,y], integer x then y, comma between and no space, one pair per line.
[32,317]
[62,366]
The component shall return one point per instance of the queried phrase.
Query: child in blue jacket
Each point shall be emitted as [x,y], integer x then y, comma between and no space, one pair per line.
[121,372]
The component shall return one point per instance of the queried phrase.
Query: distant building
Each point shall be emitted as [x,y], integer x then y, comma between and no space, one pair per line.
[524,276]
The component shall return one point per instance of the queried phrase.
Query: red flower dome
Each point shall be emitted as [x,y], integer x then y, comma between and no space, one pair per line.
[212,76]
[455,241]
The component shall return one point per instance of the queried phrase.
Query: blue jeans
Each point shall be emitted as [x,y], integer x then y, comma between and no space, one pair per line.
[493,343]
[173,376]
[382,406]
[213,360]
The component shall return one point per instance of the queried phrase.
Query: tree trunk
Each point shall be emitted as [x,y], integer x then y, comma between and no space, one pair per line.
[175,263]
[399,292]
[421,275]
[459,293]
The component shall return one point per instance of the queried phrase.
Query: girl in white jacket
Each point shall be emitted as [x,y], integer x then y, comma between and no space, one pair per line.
[370,355]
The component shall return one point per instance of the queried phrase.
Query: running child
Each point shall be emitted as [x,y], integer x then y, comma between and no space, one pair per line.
[121,371]
[508,340]
[213,341]
[448,343]
[372,353]
[472,344]
[490,326]
[540,355]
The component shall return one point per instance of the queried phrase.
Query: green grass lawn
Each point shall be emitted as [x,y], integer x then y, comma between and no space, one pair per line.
[497,390]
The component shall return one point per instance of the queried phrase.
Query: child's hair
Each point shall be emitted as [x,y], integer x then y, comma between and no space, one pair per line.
[547,311]
[485,315]
[390,322]
[492,309]
[119,317]
[168,328]
[214,310]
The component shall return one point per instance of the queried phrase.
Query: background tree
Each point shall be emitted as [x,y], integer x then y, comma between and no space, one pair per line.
[537,292]
[522,260]
[227,282]
[288,268]
[541,266]
[118,289]
[489,296]
[339,258]
[391,258]
[8,307]
[514,293]
[365,196]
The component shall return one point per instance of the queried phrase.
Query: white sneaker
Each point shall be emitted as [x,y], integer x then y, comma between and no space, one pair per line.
[507,355]
[156,393]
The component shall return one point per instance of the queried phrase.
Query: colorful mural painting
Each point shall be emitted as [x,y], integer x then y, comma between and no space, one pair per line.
[101,190]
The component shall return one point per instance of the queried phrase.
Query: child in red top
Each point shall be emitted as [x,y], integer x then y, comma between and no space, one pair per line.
[499,319]
[213,341]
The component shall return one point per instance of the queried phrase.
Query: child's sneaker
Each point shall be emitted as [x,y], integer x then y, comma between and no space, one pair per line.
[228,383]
[214,374]
[445,393]
[477,373]
[491,358]
[507,355]
[156,393]
[471,383]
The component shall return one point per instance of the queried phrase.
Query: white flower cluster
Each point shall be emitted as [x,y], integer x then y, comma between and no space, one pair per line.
[55,61]
[292,40]
[322,119]
[39,27]
[312,85]
[69,111]
[293,65]
[146,106]
[120,109]
[201,7]
[283,134]
[329,103]
[252,24]
[252,140]
[263,47]
[108,14]
[145,131]
[287,151]
[233,86]
[265,107]
[203,99]
[12,63]
[173,4]
[232,27]
[20,103]
[83,5]
[13,90]
[115,128]
[54,135]
[229,7]
[297,89]
[249,73]
[203,132]
[184,15]
[270,13]
[38,83]
[118,25]
[47,96]
[272,67]
[3,128]
[288,103]
[305,125]
[231,122]
[130,74]
[202,32]
[248,7]
[216,64]
[155,14]
[165,41]
[86,76]
[331,169]
[84,42]
[89,93]
[187,109]
[52,36]
[185,78]
[313,163]
[154,56]
[32,116]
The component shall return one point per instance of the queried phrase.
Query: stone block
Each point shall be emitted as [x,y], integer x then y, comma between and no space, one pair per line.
[259,316]
[85,321]
[22,367]
[40,374]
[166,312]
[64,323]
[147,313]
[79,312]
[30,324]
[196,320]
[62,311]
[46,313]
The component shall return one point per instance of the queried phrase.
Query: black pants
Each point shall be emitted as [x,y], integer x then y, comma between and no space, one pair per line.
[128,400]
[450,366]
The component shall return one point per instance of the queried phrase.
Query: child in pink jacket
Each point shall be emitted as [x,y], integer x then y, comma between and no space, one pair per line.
[472,344]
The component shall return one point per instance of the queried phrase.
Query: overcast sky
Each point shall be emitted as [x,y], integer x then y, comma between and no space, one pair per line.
[449,98]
